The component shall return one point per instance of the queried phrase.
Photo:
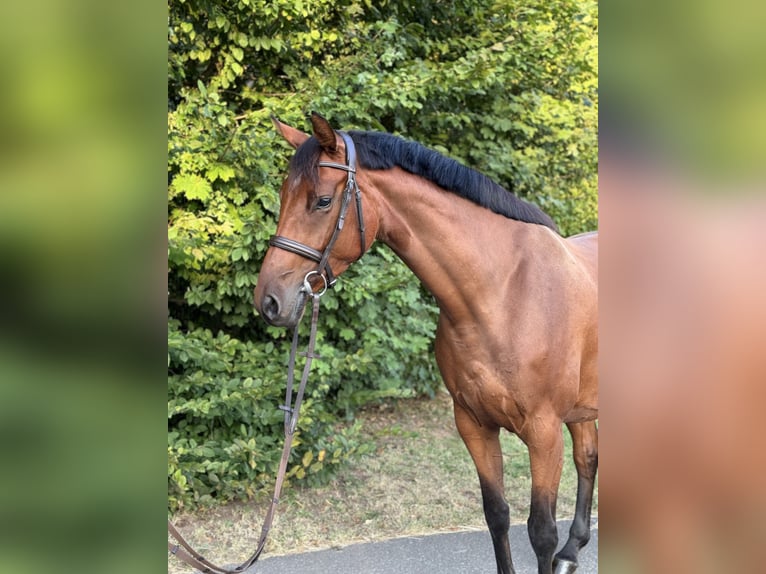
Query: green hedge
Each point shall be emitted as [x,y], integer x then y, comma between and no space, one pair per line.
[508,88]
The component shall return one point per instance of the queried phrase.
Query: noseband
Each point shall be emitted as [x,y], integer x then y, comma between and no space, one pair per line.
[322,258]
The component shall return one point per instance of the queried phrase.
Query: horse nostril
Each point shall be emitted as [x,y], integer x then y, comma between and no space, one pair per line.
[270,307]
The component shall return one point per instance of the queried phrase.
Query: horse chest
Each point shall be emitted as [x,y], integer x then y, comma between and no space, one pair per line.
[504,380]
[484,386]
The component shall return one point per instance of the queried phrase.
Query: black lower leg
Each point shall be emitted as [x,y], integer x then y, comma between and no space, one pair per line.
[579,532]
[542,531]
[497,514]
[586,460]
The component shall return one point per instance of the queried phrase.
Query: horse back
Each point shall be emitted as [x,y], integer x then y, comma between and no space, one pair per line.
[585,247]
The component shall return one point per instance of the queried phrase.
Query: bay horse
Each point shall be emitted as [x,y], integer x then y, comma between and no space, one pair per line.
[517,338]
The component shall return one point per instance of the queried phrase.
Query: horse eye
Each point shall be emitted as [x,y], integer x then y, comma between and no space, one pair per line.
[324,202]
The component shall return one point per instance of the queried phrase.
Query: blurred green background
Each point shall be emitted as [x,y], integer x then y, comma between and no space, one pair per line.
[683,84]
[82,286]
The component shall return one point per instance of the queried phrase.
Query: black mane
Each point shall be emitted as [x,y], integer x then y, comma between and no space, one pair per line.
[378,150]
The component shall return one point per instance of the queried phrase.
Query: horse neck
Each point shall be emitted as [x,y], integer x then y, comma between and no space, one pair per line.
[463,253]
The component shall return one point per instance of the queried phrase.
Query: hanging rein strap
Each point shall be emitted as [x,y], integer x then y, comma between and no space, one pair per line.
[183,549]
[323,257]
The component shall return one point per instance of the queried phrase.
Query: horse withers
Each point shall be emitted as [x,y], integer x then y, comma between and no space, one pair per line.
[517,339]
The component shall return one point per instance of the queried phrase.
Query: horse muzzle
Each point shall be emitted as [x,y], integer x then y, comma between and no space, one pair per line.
[284,307]
[280,307]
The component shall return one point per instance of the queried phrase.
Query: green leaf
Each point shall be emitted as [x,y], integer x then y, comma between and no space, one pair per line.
[192,186]
[220,171]
[347,334]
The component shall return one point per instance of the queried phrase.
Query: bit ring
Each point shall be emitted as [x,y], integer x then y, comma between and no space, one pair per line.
[307,286]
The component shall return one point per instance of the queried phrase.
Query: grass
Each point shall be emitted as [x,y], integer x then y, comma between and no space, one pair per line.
[419,479]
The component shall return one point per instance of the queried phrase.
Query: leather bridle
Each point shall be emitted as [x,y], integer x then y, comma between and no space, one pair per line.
[323,257]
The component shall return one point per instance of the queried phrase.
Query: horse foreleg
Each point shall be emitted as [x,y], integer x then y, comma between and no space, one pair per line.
[585,451]
[546,447]
[484,445]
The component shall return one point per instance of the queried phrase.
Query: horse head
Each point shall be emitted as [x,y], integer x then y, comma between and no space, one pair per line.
[319,234]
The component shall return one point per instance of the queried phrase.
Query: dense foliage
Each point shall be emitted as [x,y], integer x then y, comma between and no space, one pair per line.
[508,88]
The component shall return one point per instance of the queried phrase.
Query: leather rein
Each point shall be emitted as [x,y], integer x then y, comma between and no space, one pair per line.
[183,550]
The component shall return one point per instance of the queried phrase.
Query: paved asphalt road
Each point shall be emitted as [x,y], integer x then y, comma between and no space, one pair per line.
[453,553]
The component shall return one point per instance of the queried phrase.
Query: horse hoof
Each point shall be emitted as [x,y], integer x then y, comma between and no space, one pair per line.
[565,567]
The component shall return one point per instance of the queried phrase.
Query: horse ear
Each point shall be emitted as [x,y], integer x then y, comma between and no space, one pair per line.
[324,133]
[293,136]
